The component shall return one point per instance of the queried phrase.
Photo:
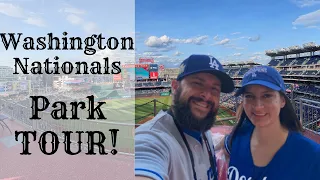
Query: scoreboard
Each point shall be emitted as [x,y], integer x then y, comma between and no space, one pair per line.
[137,72]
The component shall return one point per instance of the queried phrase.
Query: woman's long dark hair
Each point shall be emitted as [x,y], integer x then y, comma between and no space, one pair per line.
[288,119]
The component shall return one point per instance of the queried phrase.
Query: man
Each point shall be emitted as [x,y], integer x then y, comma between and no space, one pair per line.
[177,144]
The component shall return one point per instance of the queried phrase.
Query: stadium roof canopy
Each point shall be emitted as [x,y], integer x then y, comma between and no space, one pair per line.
[307,47]
[242,64]
[296,50]
[311,47]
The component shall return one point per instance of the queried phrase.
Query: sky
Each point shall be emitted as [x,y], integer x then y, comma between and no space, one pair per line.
[166,30]
[37,18]
[230,30]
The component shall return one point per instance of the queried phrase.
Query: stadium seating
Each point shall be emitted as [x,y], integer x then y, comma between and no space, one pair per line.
[314,60]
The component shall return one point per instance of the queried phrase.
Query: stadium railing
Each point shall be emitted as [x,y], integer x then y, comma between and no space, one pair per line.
[125,135]
[309,117]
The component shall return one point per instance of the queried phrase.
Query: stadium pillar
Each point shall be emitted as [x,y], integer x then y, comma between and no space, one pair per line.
[300,110]
[292,89]
[154,107]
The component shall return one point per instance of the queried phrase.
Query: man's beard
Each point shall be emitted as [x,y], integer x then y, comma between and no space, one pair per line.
[184,117]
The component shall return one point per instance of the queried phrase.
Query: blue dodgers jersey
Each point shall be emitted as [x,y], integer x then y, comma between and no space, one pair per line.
[297,159]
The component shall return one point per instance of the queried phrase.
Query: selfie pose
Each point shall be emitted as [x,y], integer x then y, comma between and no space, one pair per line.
[266,143]
[177,144]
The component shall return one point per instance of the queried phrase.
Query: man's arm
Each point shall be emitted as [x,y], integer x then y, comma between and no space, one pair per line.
[151,156]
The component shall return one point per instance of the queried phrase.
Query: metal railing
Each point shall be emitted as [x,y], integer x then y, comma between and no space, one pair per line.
[307,110]
[125,135]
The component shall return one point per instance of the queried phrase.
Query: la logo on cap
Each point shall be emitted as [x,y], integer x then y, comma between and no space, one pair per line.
[213,63]
[181,68]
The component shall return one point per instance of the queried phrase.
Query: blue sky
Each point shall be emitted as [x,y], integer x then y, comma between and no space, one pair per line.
[230,30]
[168,31]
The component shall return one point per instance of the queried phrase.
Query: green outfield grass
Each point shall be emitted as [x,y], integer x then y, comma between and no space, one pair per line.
[142,111]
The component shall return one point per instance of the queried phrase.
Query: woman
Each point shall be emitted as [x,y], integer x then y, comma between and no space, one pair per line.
[267,143]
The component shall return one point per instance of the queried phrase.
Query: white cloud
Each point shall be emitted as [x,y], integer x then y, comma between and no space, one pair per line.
[233,46]
[162,49]
[235,33]
[73,16]
[73,10]
[242,37]
[260,59]
[177,53]
[309,19]
[223,42]
[196,40]
[11,10]
[113,55]
[74,19]
[18,12]
[150,54]
[239,48]
[37,21]
[90,27]
[258,53]
[216,38]
[162,41]
[306,3]
[165,41]
[256,38]
[237,54]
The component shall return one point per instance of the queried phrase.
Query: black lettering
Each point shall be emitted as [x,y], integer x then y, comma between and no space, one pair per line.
[11,40]
[28,45]
[37,69]
[51,38]
[23,69]
[25,142]
[91,142]
[41,43]
[67,142]
[116,66]
[63,110]
[35,106]
[64,68]
[42,143]
[97,69]
[115,45]
[75,109]
[85,67]
[124,45]
[97,109]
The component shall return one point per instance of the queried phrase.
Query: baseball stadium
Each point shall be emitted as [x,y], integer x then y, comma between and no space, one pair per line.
[134,97]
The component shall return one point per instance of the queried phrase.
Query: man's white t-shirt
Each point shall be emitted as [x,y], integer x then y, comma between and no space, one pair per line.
[160,152]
